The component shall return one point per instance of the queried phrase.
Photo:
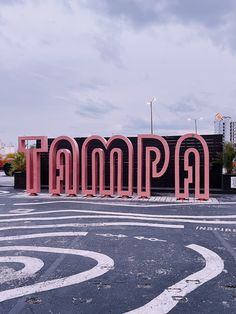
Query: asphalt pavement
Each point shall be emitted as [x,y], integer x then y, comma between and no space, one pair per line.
[65,255]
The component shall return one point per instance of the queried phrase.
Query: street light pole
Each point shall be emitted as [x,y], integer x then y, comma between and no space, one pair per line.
[151,118]
[151,112]
[195,122]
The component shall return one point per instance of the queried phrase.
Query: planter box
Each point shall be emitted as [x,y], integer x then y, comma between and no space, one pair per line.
[229,183]
[20,180]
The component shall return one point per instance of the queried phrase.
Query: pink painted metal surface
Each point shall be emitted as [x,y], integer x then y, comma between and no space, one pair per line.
[67,164]
[116,175]
[98,180]
[189,170]
[64,165]
[32,161]
[148,170]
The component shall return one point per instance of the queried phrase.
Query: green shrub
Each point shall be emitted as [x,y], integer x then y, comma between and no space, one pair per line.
[18,163]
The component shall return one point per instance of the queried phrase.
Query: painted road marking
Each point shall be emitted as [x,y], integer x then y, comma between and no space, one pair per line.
[115,204]
[201,228]
[193,221]
[170,297]
[149,239]
[20,212]
[31,266]
[110,235]
[4,192]
[73,234]
[227,203]
[100,224]
[82,217]
[43,235]
[104,263]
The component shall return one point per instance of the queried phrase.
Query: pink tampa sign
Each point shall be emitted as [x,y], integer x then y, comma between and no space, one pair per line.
[65,166]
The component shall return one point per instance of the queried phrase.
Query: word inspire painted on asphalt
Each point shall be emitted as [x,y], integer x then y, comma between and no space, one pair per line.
[200,228]
[65,165]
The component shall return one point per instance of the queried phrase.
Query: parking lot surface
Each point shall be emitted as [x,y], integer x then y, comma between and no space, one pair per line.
[64,255]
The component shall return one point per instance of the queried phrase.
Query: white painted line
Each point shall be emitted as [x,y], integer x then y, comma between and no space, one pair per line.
[100,224]
[104,263]
[2,204]
[4,192]
[110,235]
[43,235]
[149,239]
[20,212]
[23,211]
[170,297]
[198,221]
[31,266]
[227,203]
[115,204]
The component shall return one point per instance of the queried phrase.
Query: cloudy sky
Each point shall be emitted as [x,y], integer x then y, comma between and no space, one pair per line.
[81,67]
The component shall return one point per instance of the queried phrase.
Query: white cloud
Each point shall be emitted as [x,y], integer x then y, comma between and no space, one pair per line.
[61,58]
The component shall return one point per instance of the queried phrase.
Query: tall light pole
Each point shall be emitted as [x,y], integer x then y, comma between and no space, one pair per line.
[151,113]
[195,122]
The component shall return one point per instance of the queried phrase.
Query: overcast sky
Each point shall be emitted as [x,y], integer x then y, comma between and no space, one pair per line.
[82,67]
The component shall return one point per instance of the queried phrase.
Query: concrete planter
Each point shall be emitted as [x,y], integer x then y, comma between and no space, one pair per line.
[19,180]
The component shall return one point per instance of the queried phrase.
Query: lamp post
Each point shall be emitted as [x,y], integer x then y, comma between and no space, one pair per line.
[151,114]
[195,122]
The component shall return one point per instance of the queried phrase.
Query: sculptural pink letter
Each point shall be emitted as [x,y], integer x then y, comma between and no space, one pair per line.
[103,165]
[66,162]
[189,169]
[116,175]
[155,174]
[33,161]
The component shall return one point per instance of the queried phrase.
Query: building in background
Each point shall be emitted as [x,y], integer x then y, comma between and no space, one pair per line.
[233,132]
[225,126]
